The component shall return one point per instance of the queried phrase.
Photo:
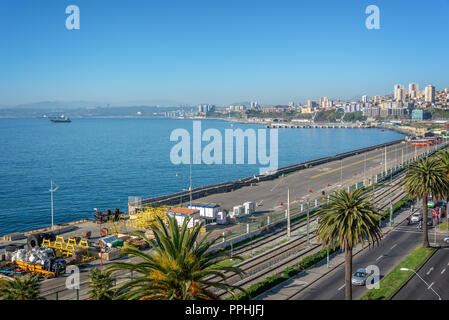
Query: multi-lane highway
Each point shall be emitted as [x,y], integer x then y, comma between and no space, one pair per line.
[392,250]
[434,281]
[326,177]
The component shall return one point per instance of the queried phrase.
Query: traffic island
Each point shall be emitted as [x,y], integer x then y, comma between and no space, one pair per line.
[397,278]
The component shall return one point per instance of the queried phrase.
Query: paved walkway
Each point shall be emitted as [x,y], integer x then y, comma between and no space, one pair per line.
[303,280]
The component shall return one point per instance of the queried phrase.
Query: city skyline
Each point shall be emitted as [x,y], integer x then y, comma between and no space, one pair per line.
[212,53]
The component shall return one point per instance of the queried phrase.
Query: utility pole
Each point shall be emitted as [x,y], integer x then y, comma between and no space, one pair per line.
[51,193]
[402,157]
[190,182]
[341,172]
[308,222]
[288,213]
[385,159]
[364,171]
[180,179]
[391,205]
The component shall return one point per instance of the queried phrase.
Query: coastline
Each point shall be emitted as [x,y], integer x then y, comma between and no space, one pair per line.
[225,185]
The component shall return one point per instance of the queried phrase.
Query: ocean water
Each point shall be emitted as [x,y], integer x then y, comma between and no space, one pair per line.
[98,163]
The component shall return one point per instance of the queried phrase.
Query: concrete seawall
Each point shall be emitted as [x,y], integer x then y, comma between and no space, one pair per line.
[175,198]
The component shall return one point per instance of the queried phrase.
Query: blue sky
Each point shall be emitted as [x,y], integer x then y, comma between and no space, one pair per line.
[134,52]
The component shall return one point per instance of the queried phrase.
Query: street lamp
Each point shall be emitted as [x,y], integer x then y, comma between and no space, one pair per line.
[428,287]
[51,192]
[180,180]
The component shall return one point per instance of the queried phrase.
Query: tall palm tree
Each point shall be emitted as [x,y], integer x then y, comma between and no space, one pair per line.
[21,288]
[177,267]
[444,159]
[424,178]
[101,284]
[349,218]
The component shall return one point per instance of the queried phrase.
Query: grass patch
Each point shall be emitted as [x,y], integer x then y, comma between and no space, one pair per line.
[443,226]
[393,281]
[397,206]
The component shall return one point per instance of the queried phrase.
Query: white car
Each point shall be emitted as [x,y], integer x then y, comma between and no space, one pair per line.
[415,217]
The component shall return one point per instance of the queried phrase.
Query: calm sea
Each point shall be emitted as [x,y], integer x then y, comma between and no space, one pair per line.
[98,163]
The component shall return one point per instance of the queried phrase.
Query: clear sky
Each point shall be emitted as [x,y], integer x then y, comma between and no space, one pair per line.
[213,51]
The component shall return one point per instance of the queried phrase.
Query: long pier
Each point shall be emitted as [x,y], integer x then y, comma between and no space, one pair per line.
[311,125]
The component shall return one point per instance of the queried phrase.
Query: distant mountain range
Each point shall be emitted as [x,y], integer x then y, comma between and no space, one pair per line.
[75,109]
[66,105]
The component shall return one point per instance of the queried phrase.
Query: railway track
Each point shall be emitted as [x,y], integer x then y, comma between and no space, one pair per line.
[277,259]
[273,260]
[378,193]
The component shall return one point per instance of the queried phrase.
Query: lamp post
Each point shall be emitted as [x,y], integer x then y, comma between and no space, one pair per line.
[391,205]
[341,172]
[180,180]
[51,192]
[407,269]
[288,213]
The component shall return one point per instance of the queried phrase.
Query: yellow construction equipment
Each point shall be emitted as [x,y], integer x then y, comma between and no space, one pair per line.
[116,226]
[66,248]
[146,217]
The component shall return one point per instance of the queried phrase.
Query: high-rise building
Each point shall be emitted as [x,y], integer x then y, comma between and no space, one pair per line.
[413,90]
[377,99]
[396,88]
[413,87]
[401,94]
[364,98]
[291,104]
[311,104]
[429,93]
[323,102]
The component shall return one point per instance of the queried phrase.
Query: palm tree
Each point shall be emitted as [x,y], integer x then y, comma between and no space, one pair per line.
[444,160]
[347,219]
[424,178]
[101,284]
[21,288]
[177,267]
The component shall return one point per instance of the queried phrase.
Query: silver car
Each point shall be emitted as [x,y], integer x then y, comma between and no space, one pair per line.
[359,277]
[415,217]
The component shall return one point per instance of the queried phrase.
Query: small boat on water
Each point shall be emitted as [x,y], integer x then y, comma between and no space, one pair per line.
[61,119]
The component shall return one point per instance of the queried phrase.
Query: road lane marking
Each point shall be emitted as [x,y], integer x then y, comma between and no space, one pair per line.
[430,270]
[393,246]
[341,287]
[442,271]
[430,286]
[379,257]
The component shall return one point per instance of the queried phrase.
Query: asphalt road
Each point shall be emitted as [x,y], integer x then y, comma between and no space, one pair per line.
[268,194]
[392,250]
[434,282]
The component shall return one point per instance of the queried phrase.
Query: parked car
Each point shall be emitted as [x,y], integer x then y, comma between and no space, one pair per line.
[446,239]
[415,217]
[359,277]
